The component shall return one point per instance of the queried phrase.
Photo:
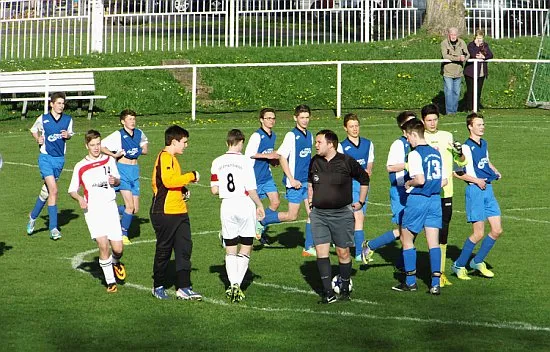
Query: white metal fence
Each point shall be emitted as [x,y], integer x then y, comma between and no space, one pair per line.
[51,28]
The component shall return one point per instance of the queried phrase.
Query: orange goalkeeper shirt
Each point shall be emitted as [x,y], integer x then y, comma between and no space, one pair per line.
[167,183]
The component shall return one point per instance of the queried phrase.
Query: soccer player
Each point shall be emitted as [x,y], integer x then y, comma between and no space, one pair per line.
[481,204]
[98,175]
[451,152]
[51,131]
[126,145]
[398,174]
[423,207]
[232,178]
[330,194]
[169,217]
[362,150]
[261,148]
[294,157]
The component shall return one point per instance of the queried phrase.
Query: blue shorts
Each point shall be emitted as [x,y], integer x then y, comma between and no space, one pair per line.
[129,178]
[264,188]
[50,165]
[421,212]
[480,204]
[297,196]
[398,199]
[356,190]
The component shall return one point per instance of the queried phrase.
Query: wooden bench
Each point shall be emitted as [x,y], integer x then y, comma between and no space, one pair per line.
[39,87]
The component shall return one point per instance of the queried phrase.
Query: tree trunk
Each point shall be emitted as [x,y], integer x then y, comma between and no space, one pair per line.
[443,14]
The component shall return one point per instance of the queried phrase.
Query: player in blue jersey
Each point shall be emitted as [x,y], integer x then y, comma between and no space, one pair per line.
[398,174]
[294,157]
[51,131]
[362,150]
[423,207]
[261,148]
[481,204]
[451,153]
[126,145]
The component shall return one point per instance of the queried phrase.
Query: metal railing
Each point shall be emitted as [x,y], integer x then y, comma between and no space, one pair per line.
[338,79]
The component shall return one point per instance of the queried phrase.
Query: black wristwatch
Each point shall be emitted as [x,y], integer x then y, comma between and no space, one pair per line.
[362,204]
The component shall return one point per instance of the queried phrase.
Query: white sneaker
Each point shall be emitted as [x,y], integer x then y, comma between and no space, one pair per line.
[55,234]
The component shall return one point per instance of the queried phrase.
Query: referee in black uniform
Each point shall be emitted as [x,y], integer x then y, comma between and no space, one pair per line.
[330,195]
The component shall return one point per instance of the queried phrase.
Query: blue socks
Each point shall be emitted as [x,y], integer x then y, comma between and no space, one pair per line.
[486,246]
[409,256]
[125,222]
[309,237]
[271,217]
[121,209]
[467,250]
[359,236]
[435,264]
[37,208]
[52,213]
[382,240]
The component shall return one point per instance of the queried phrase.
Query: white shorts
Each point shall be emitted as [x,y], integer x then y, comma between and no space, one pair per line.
[238,217]
[103,220]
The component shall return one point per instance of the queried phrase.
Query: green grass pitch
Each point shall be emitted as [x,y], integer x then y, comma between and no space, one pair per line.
[52,298]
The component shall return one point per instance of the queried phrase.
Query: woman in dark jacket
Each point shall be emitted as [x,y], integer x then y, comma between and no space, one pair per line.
[478,49]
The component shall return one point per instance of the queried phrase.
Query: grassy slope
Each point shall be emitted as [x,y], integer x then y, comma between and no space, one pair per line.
[245,89]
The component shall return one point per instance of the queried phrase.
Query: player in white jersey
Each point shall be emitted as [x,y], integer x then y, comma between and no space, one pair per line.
[233,179]
[98,175]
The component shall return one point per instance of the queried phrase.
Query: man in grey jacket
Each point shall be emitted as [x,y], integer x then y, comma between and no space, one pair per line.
[454,49]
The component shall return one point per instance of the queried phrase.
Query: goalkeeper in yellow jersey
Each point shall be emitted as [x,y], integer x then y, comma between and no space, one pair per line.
[451,152]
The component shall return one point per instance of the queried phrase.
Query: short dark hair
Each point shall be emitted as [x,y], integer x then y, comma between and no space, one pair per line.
[403,117]
[470,118]
[57,95]
[127,112]
[91,134]
[429,110]
[415,126]
[301,108]
[265,111]
[350,117]
[330,137]
[174,132]
[234,136]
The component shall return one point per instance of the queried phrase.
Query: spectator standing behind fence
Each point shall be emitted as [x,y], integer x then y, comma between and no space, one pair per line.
[478,49]
[453,48]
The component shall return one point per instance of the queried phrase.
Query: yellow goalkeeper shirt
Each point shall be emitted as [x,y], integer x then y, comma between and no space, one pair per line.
[442,141]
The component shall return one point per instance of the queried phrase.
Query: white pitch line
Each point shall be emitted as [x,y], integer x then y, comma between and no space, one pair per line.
[78,259]
[310,292]
[526,219]
[505,325]
[527,209]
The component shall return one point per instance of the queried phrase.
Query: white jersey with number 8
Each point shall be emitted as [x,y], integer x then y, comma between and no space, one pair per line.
[233,173]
